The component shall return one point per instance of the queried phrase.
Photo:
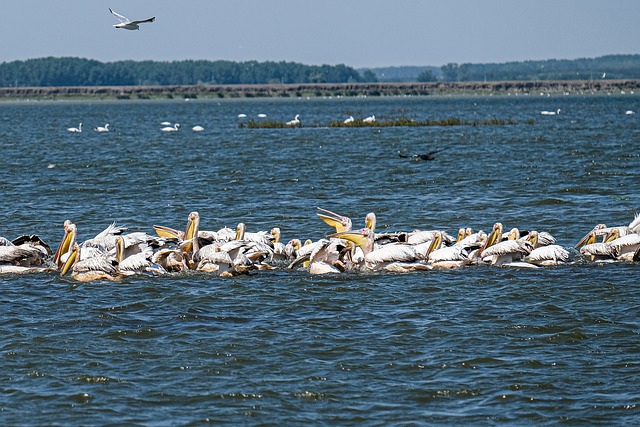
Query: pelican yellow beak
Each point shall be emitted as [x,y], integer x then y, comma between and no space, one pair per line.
[495,236]
[357,237]
[166,232]
[435,244]
[586,240]
[73,256]
[65,244]
[339,222]
[190,235]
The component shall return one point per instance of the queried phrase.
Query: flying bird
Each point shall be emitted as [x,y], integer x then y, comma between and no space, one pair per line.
[129,25]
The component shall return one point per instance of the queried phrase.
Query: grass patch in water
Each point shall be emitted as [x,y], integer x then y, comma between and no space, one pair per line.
[400,122]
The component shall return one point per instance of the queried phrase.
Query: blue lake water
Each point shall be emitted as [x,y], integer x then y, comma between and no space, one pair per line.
[478,345]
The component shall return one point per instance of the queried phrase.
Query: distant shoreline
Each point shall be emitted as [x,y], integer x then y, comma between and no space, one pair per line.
[322,90]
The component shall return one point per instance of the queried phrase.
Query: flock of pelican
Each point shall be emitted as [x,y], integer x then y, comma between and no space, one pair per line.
[115,253]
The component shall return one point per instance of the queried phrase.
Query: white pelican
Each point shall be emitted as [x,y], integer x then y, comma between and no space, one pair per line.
[369,119]
[348,120]
[102,129]
[26,254]
[197,128]
[377,258]
[173,128]
[91,268]
[323,256]
[550,113]
[75,130]
[129,25]
[545,253]
[295,122]
[497,252]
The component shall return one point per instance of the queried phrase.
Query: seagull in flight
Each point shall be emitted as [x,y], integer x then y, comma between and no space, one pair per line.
[129,25]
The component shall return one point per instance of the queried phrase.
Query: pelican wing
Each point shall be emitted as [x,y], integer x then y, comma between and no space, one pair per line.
[548,254]
[391,253]
[122,19]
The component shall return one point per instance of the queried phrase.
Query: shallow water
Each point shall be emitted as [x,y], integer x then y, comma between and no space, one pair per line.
[476,345]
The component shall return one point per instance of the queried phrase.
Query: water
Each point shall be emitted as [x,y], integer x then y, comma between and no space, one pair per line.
[479,345]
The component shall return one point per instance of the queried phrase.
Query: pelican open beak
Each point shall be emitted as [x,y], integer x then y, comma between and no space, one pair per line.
[191,233]
[587,240]
[71,260]
[166,232]
[359,237]
[339,222]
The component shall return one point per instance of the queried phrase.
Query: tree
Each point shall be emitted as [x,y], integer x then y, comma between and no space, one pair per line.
[427,76]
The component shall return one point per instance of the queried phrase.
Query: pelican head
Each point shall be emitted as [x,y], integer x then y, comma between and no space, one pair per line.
[67,242]
[370,221]
[494,237]
[339,222]
[587,240]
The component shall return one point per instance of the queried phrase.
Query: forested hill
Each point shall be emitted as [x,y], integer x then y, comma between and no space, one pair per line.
[51,71]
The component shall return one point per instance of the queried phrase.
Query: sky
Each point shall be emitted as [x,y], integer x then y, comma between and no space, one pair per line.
[357,33]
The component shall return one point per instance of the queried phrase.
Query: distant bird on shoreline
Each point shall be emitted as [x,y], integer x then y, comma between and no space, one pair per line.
[129,25]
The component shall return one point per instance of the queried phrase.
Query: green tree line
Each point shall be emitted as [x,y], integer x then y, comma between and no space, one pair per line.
[53,71]
[86,72]
[609,67]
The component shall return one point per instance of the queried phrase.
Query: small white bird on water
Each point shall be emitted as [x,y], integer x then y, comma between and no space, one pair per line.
[129,25]
[102,129]
[173,128]
[75,130]
[197,128]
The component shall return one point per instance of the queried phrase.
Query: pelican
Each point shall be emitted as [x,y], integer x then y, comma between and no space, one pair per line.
[90,268]
[498,252]
[295,122]
[545,254]
[197,128]
[173,128]
[550,113]
[75,130]
[350,119]
[377,258]
[134,259]
[129,25]
[25,254]
[370,119]
[323,257]
[102,129]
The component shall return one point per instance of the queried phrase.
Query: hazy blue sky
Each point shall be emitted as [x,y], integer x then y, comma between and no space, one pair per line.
[359,33]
